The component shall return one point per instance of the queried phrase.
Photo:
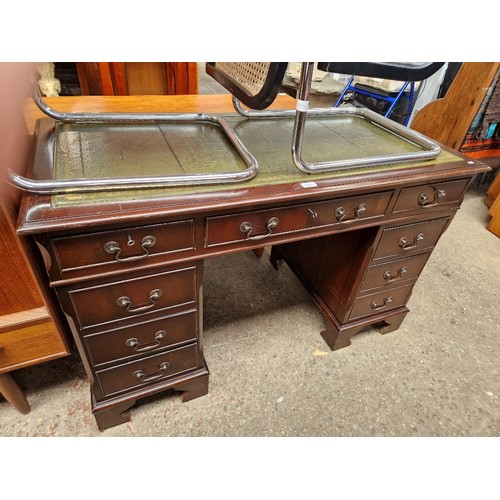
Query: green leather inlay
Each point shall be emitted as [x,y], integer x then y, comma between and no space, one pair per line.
[91,150]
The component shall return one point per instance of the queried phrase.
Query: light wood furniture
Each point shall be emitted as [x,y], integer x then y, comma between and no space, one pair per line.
[493,203]
[28,333]
[447,120]
[128,268]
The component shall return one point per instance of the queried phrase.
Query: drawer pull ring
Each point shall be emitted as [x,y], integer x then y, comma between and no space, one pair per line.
[386,302]
[403,242]
[134,343]
[340,214]
[126,302]
[113,247]
[140,374]
[423,199]
[246,227]
[390,278]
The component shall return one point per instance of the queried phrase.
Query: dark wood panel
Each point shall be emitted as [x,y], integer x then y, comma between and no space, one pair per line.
[137,78]
[333,266]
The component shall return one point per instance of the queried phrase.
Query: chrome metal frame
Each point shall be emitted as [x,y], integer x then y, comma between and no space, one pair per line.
[430,148]
[51,186]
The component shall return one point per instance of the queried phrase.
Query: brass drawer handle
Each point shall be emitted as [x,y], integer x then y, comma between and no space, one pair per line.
[126,302]
[390,278]
[134,343]
[140,374]
[374,305]
[403,242]
[423,199]
[340,214]
[113,247]
[247,228]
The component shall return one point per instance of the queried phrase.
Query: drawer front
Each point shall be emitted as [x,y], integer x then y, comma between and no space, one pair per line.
[144,338]
[430,196]
[255,226]
[380,302]
[133,297]
[148,370]
[265,224]
[409,239]
[393,272]
[350,211]
[122,248]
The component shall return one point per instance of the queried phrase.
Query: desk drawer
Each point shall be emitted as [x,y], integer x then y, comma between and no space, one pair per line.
[133,297]
[381,301]
[430,196]
[264,224]
[394,272]
[148,370]
[123,248]
[410,239]
[144,338]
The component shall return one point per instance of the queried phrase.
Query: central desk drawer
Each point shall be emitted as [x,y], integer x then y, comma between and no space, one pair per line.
[265,224]
[133,297]
[148,370]
[123,248]
[144,338]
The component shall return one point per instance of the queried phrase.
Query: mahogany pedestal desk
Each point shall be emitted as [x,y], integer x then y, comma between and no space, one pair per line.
[127,267]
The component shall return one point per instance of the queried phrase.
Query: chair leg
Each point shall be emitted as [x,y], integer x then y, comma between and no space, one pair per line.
[13,393]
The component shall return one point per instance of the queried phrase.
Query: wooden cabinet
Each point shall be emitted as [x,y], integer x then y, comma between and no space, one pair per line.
[28,332]
[138,78]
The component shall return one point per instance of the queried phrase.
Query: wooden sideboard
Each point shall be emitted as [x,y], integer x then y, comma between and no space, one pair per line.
[127,267]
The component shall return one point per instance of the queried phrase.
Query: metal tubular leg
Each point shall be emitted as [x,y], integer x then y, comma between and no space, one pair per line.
[301,114]
[139,182]
[431,148]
